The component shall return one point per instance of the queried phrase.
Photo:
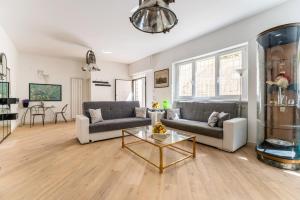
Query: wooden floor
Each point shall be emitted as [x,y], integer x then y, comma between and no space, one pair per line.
[49,163]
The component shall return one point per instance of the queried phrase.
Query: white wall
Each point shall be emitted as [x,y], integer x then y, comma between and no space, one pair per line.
[109,72]
[60,72]
[241,32]
[7,47]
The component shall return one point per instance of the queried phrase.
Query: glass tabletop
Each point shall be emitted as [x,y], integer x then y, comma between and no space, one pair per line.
[145,134]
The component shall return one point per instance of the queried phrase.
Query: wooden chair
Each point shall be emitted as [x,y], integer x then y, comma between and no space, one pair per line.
[62,113]
[37,110]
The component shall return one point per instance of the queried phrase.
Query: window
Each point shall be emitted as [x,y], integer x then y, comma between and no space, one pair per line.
[205,77]
[185,82]
[212,76]
[229,78]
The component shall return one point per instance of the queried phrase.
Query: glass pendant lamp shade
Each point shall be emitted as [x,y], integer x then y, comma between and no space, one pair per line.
[154,16]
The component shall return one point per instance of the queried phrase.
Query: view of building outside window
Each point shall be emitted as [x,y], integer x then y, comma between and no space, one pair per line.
[229,79]
[185,79]
[205,80]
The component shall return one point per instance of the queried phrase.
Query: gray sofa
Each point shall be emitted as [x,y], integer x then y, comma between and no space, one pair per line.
[194,117]
[117,116]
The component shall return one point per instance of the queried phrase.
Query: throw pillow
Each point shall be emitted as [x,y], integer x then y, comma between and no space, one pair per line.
[96,115]
[213,119]
[173,114]
[222,117]
[140,112]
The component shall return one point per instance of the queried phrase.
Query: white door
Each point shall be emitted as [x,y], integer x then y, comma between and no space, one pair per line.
[76,96]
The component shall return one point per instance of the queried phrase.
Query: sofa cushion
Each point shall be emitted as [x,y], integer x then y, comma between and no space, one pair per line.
[112,109]
[96,115]
[117,124]
[201,128]
[221,118]
[200,111]
[140,112]
[173,114]
[213,119]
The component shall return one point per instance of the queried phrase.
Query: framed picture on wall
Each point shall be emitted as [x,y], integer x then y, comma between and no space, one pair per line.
[161,78]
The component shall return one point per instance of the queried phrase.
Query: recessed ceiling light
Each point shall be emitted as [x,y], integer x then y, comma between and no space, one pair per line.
[106,52]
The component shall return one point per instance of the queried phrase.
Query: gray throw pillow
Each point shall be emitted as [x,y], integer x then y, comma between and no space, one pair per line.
[213,119]
[140,112]
[96,115]
[173,114]
[222,117]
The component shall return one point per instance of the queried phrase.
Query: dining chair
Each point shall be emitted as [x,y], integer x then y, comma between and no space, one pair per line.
[37,110]
[62,113]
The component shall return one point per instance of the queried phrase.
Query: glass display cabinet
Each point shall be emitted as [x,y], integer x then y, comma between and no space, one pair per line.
[278,117]
[5,101]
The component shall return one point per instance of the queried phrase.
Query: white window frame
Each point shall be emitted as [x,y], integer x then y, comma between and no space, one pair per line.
[217,55]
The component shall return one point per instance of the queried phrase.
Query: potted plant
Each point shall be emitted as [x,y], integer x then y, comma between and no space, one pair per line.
[25,103]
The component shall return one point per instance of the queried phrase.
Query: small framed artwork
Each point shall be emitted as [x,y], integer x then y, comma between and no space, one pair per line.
[161,78]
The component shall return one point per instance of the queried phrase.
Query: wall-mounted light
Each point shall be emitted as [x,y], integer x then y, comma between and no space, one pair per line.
[41,74]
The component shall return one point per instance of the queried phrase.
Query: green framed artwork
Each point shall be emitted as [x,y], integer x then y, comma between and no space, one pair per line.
[45,92]
[4,89]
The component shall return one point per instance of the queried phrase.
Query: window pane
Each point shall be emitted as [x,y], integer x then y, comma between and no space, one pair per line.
[229,78]
[185,79]
[205,77]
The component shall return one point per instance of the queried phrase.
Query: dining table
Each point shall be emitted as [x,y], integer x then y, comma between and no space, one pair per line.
[46,108]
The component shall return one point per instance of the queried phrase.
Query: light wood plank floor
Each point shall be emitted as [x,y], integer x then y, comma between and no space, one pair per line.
[48,163]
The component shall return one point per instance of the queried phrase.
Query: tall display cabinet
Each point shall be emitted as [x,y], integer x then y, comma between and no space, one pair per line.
[5,100]
[278,117]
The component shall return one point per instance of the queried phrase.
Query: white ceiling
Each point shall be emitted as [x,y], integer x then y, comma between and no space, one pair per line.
[68,27]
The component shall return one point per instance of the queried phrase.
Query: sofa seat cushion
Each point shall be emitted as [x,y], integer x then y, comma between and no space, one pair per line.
[201,128]
[118,124]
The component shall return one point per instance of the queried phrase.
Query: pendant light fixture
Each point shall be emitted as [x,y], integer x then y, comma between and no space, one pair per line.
[154,16]
[90,62]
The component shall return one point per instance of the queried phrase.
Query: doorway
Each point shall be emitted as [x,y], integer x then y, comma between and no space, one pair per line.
[131,90]
[139,91]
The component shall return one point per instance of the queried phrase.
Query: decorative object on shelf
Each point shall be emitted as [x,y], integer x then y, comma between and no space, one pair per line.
[155,105]
[25,103]
[102,83]
[241,72]
[166,104]
[91,65]
[282,83]
[161,78]
[154,16]
[278,85]
[45,92]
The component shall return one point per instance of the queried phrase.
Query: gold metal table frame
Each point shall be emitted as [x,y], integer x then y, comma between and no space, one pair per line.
[187,154]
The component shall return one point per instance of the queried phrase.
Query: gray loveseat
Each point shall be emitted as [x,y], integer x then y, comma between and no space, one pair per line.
[194,117]
[117,115]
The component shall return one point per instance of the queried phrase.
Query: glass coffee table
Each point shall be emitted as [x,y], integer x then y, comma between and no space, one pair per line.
[144,134]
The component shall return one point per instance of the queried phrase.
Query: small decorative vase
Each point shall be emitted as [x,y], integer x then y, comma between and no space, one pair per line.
[25,103]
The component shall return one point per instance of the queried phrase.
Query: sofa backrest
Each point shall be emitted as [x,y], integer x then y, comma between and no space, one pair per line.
[112,109]
[200,111]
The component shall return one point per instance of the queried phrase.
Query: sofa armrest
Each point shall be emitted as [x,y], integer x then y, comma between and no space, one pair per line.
[82,129]
[235,134]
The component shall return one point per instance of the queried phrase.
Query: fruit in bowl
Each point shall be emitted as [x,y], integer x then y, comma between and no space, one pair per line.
[159,128]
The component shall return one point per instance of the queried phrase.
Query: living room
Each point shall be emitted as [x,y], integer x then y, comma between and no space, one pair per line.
[149,99]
